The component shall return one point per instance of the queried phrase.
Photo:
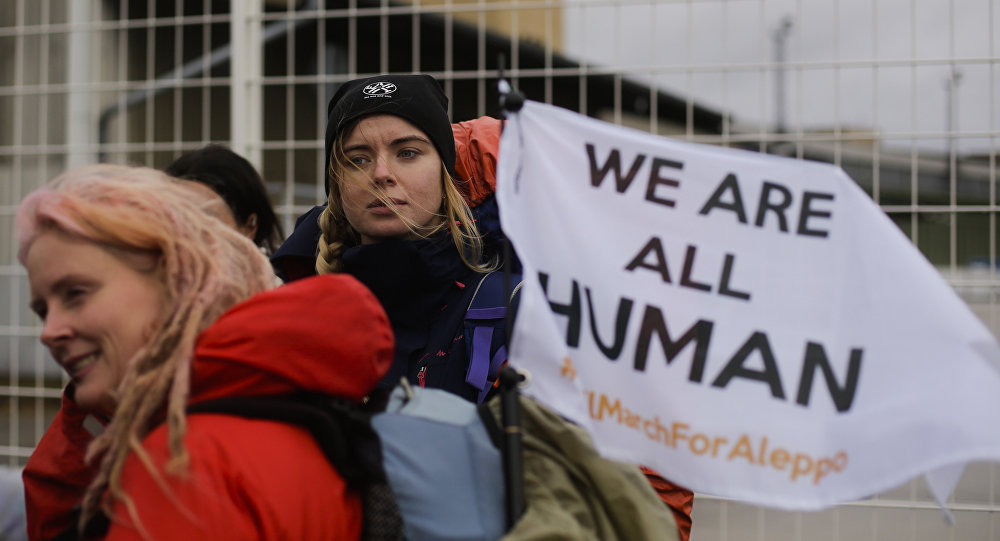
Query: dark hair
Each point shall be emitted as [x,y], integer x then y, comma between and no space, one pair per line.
[239,184]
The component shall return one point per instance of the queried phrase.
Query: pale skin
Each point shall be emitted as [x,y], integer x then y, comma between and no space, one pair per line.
[396,159]
[98,311]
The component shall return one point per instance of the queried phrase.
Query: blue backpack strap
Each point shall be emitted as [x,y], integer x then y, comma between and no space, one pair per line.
[485,336]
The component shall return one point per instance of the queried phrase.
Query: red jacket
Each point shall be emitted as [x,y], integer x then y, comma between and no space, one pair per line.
[56,476]
[248,478]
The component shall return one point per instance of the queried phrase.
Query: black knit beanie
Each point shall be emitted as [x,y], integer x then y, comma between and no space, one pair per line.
[416,98]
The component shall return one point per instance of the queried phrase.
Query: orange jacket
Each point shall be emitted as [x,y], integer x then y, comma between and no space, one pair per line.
[247,478]
[680,500]
[476,145]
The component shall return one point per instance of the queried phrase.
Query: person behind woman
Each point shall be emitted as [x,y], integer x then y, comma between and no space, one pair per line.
[397,219]
[152,305]
[239,184]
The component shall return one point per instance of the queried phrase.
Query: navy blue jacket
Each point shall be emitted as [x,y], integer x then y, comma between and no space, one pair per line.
[424,287]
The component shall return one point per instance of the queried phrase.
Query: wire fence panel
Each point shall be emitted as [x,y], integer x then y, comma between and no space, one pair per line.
[902,94]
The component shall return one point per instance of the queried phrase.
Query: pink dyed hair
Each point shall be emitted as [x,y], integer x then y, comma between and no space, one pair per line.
[206,267]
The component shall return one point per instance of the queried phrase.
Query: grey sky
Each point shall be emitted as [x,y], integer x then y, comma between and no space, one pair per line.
[856,63]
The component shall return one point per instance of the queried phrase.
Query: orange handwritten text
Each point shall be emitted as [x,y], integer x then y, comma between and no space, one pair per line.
[757,451]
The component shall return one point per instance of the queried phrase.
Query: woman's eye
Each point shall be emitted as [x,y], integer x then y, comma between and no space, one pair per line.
[359,161]
[73,294]
[408,153]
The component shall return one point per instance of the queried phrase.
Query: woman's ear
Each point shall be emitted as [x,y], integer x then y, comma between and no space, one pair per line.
[249,229]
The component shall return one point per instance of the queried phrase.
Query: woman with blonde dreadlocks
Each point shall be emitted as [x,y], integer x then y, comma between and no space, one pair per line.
[155,307]
[397,220]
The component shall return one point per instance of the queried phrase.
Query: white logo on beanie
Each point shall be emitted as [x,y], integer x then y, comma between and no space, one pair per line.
[379,89]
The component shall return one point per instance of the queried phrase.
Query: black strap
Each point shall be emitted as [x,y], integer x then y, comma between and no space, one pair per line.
[96,527]
[493,429]
[341,429]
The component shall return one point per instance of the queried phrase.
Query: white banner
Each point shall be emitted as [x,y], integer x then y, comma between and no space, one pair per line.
[752,327]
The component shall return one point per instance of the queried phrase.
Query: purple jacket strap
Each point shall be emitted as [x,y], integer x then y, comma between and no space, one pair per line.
[486,313]
[479,363]
[498,359]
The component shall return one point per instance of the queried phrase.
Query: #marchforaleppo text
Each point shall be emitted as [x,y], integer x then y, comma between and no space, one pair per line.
[755,451]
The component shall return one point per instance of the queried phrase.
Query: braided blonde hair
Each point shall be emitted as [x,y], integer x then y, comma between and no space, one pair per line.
[205,267]
[337,234]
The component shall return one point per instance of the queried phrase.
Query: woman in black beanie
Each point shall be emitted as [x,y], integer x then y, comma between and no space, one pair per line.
[397,219]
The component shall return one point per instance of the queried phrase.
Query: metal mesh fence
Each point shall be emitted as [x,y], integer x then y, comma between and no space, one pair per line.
[903,94]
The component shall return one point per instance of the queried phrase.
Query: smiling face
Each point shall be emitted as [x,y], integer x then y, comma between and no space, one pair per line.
[98,310]
[393,158]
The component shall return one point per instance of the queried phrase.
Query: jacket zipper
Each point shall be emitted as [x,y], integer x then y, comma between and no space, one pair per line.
[422,375]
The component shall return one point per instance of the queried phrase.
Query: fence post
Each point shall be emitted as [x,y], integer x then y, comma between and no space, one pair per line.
[245,111]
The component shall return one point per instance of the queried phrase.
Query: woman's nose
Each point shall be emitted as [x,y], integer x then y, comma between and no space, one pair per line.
[383,173]
[56,329]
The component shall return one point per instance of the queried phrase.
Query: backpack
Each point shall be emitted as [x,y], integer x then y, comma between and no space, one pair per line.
[486,326]
[442,462]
